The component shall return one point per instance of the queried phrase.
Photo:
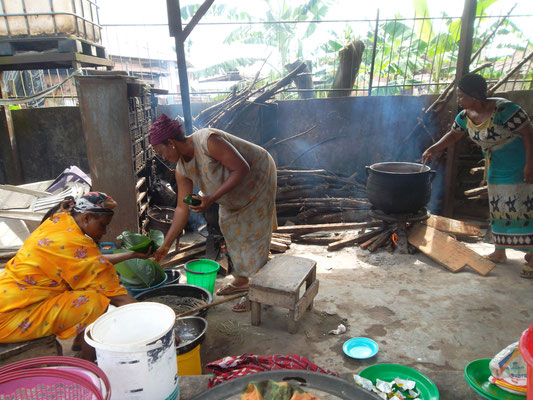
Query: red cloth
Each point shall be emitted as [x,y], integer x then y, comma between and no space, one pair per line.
[229,367]
[162,129]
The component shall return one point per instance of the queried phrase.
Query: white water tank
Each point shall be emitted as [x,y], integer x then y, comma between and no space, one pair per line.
[61,18]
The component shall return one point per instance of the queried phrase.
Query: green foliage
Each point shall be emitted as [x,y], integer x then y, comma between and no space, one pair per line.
[139,273]
[136,242]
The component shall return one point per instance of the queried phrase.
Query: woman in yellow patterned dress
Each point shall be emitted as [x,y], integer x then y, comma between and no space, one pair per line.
[59,282]
[240,176]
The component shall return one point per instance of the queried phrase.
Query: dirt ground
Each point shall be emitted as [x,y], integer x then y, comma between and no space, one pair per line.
[420,314]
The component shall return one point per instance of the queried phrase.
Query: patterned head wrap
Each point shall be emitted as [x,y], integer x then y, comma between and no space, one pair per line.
[163,129]
[474,85]
[95,202]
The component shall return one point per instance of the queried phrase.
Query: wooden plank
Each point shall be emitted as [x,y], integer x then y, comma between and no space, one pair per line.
[453,226]
[302,229]
[447,251]
[272,297]
[293,271]
[183,256]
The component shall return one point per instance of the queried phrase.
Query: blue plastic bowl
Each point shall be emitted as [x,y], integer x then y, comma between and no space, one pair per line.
[360,348]
[134,292]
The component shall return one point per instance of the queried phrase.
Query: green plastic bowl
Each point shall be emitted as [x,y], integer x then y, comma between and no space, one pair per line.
[387,372]
[202,272]
[477,376]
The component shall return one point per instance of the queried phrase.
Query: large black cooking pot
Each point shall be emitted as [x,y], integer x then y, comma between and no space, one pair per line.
[399,187]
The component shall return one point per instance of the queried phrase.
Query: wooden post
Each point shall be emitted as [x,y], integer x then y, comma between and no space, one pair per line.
[175,27]
[463,64]
[16,165]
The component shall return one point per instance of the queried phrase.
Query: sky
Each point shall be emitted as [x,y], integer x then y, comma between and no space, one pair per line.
[205,47]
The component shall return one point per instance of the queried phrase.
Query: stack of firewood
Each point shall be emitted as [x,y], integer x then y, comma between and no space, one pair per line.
[318,197]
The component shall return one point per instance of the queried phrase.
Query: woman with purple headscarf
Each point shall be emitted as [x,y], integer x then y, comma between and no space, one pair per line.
[238,175]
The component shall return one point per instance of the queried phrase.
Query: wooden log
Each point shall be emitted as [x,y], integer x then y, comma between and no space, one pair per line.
[285,241]
[282,235]
[354,240]
[321,241]
[279,247]
[301,171]
[381,240]
[344,216]
[476,191]
[302,229]
[365,245]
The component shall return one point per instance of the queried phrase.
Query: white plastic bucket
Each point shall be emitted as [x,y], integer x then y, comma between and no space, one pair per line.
[135,347]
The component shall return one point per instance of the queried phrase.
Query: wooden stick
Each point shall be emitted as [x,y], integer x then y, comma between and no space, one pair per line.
[365,245]
[353,240]
[215,303]
[475,170]
[493,88]
[476,191]
[380,240]
[302,229]
[295,136]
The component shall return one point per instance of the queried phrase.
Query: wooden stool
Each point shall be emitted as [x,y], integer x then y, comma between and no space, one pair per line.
[278,284]
[43,347]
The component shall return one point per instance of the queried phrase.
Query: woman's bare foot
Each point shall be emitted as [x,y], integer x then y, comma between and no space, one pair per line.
[238,285]
[498,256]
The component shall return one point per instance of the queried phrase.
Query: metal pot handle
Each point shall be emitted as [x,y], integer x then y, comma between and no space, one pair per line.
[432,174]
[367,170]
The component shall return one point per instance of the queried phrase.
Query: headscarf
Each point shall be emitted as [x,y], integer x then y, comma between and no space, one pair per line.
[95,202]
[163,129]
[473,85]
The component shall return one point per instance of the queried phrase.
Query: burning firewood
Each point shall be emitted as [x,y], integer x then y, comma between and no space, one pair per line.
[354,240]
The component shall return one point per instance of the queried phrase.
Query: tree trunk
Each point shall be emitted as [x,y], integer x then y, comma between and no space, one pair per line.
[350,57]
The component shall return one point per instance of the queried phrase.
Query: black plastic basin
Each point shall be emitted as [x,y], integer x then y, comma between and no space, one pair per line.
[180,290]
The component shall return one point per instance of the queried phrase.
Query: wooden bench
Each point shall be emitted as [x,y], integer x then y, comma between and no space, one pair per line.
[43,347]
[278,284]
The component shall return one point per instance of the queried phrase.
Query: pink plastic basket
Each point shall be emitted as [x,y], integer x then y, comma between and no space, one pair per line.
[61,378]
[526,351]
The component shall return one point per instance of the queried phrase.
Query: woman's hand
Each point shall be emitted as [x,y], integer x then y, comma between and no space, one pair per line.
[428,155]
[161,253]
[528,173]
[206,202]
[143,256]
[122,300]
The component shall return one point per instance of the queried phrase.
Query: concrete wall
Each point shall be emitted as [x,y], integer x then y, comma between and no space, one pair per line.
[346,134]
[48,139]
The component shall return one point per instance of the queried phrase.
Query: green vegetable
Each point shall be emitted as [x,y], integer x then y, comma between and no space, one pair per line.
[139,273]
[136,242]
[191,200]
